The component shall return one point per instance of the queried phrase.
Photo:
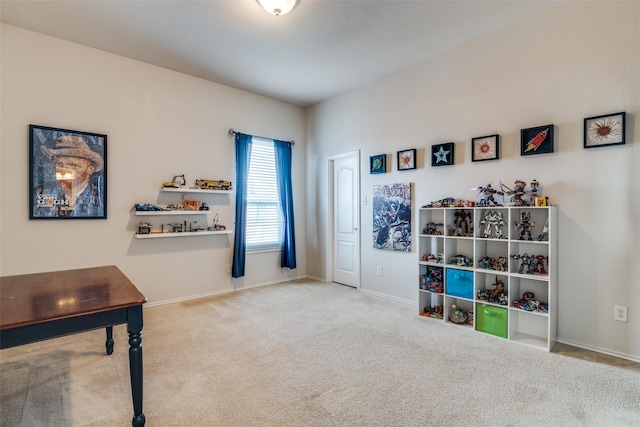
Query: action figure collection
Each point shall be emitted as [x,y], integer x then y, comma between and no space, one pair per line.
[491,225]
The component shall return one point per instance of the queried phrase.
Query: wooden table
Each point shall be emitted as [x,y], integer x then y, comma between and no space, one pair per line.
[36,307]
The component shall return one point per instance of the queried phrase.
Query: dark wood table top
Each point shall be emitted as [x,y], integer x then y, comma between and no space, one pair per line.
[41,297]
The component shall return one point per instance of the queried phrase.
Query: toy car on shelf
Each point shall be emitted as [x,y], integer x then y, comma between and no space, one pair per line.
[212,184]
[177,182]
[147,207]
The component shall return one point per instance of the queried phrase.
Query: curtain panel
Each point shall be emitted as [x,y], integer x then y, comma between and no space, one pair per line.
[243,157]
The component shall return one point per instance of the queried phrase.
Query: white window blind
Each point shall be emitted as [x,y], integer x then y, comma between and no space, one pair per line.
[264,218]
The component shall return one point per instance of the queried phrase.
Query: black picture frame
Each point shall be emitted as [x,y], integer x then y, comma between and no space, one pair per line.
[536,140]
[407,159]
[378,164]
[67,174]
[442,154]
[485,148]
[605,130]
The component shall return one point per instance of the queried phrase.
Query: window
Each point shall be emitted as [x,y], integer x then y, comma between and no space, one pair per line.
[264,216]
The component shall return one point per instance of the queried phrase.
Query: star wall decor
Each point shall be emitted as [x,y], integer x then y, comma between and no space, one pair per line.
[442,154]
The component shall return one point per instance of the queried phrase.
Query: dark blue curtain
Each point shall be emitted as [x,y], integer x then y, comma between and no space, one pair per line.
[285,191]
[243,156]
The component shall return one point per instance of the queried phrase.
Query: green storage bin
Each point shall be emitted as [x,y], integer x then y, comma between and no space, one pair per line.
[491,320]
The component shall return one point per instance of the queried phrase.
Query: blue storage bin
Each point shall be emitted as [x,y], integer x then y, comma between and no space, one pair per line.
[459,283]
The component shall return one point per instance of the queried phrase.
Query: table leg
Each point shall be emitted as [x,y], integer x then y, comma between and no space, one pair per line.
[134,328]
[109,343]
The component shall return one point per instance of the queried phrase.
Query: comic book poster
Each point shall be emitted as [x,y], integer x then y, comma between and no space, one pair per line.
[392,217]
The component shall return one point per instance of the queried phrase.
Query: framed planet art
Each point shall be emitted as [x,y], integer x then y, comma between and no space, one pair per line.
[378,163]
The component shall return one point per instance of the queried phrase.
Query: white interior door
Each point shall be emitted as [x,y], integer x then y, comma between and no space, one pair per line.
[346,220]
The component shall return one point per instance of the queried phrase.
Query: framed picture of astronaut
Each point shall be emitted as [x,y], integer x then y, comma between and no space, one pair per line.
[67,174]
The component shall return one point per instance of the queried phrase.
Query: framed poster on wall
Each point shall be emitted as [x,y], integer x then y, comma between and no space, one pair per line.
[392,217]
[67,174]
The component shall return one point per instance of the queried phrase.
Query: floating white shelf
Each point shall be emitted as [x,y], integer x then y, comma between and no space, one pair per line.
[183,234]
[192,190]
[170,213]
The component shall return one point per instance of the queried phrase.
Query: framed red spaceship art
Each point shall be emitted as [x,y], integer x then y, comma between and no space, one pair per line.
[537,140]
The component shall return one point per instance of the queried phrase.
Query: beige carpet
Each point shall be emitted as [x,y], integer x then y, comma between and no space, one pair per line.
[309,354]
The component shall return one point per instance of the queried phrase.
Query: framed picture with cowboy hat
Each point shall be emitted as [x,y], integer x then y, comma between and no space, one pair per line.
[67,174]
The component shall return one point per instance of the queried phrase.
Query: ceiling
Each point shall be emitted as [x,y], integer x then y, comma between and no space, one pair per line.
[319,50]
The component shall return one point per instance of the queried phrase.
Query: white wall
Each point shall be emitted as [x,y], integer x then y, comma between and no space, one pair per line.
[159,123]
[575,60]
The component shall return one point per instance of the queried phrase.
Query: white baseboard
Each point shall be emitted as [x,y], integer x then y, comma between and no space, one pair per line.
[385,296]
[600,350]
[187,298]
[319,279]
[223,292]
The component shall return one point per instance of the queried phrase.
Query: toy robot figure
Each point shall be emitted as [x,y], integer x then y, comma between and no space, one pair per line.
[539,264]
[517,193]
[526,263]
[501,264]
[534,192]
[493,222]
[487,196]
[525,225]
[461,223]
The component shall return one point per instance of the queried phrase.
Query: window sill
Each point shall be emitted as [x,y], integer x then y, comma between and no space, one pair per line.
[263,249]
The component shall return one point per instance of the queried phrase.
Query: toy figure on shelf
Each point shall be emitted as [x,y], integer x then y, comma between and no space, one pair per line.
[498,295]
[429,257]
[539,264]
[461,261]
[461,224]
[493,222]
[527,263]
[537,199]
[516,193]
[488,196]
[525,225]
[501,264]
[534,188]
[487,263]
[437,258]
[431,229]
[545,230]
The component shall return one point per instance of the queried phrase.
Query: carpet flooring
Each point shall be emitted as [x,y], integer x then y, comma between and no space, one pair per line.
[305,353]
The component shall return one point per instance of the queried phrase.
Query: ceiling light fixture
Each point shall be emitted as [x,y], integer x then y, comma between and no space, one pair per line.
[278,7]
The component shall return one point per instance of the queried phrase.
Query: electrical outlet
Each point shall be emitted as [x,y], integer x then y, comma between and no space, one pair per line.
[378,271]
[228,268]
[620,313]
